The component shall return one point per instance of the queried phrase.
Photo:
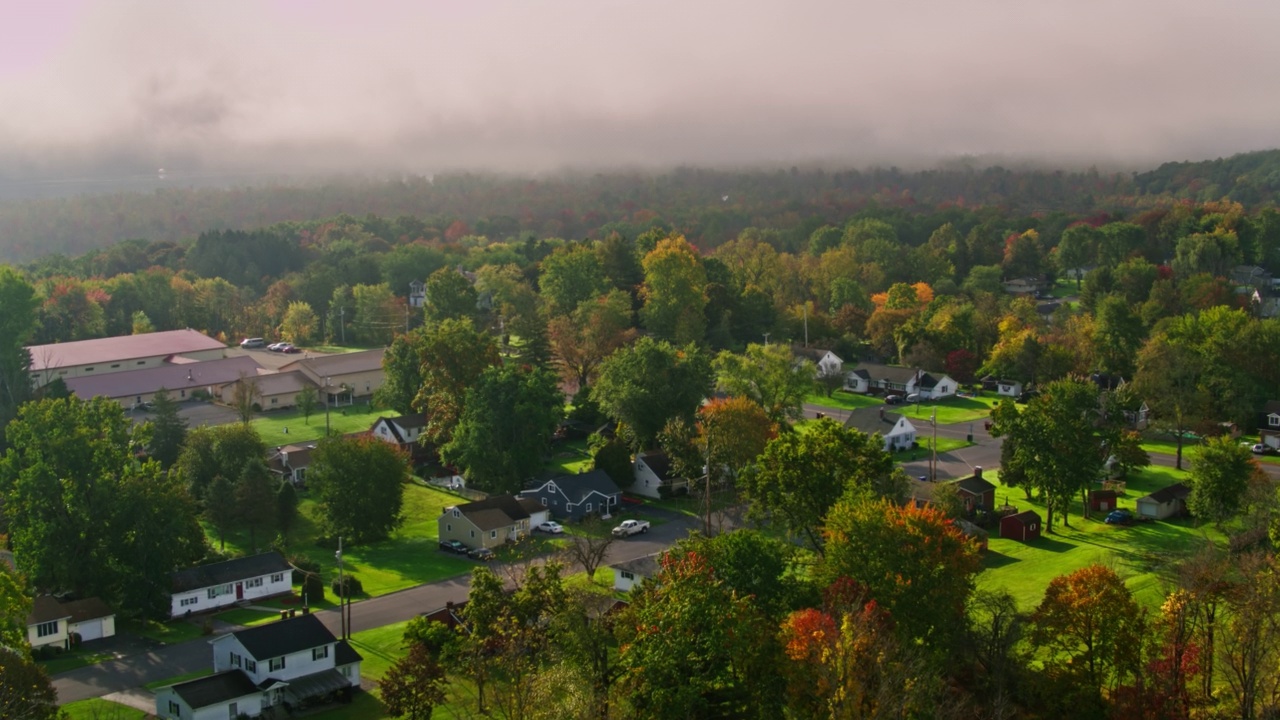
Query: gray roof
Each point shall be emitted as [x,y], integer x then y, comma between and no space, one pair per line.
[494,512]
[872,420]
[1176,491]
[340,364]
[87,609]
[120,348]
[646,566]
[577,488]
[171,376]
[896,375]
[216,689]
[974,485]
[204,576]
[285,636]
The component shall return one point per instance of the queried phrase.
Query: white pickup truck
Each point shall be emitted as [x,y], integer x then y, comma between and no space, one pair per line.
[631,527]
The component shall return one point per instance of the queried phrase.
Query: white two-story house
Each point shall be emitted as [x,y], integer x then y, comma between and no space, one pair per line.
[282,664]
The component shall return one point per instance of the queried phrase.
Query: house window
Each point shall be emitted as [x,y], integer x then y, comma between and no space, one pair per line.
[182,393]
[1273,420]
[320,653]
[544,502]
[88,369]
[274,401]
[346,671]
[142,362]
[278,577]
[193,600]
[233,711]
[175,709]
[942,388]
[588,507]
[116,365]
[138,399]
[628,575]
[276,664]
[493,534]
[448,527]
[473,534]
[250,665]
[255,582]
[235,660]
[46,629]
[457,512]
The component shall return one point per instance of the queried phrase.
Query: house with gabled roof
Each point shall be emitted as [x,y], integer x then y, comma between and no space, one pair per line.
[403,430]
[1269,424]
[654,476]
[870,378]
[56,623]
[291,462]
[576,496]
[827,362]
[491,522]
[217,585]
[344,376]
[976,492]
[279,665]
[896,430]
[630,573]
[1164,503]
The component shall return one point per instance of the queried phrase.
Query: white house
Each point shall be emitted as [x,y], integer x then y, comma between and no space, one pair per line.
[218,585]
[653,473]
[897,430]
[417,293]
[627,575]
[291,462]
[291,661]
[47,623]
[827,362]
[1009,388]
[900,380]
[54,623]
[403,430]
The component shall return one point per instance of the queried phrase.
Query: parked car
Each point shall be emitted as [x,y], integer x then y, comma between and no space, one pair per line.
[1258,449]
[277,347]
[291,350]
[913,398]
[631,527]
[252,343]
[483,554]
[453,546]
[144,406]
[892,399]
[550,526]
[1119,517]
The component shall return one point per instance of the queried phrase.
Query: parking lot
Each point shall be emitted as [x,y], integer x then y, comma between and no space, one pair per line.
[195,413]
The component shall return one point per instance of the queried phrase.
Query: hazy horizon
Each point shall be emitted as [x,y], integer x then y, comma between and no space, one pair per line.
[291,87]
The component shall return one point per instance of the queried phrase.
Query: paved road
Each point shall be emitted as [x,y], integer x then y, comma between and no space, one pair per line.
[174,660]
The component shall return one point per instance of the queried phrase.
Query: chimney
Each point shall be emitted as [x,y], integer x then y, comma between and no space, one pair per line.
[977,471]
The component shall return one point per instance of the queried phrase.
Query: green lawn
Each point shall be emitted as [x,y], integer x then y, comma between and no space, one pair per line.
[346,419]
[409,557]
[97,708]
[153,686]
[570,458]
[363,706]
[1143,553]
[74,659]
[247,617]
[945,445]
[380,647]
[843,400]
[1190,446]
[950,410]
[169,633]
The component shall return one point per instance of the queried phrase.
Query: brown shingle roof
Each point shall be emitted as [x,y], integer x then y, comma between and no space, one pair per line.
[191,376]
[341,364]
[88,609]
[494,512]
[123,347]
[45,609]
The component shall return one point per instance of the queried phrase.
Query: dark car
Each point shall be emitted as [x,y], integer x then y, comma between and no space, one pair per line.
[1119,517]
[483,554]
[453,546]
[290,350]
[892,399]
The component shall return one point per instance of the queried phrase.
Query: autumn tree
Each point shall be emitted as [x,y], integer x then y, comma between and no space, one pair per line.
[1092,628]
[592,332]
[1169,377]
[25,689]
[1250,643]
[450,296]
[674,292]
[770,376]
[414,685]
[359,487]
[1220,475]
[913,561]
[645,385]
[300,324]
[802,475]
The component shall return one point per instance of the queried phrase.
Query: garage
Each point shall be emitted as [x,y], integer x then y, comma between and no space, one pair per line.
[91,619]
[88,630]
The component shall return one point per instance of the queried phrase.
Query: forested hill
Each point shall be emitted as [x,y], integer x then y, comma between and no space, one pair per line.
[708,206]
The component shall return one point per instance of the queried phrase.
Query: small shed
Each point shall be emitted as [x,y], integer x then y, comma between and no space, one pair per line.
[1165,502]
[1103,500]
[1023,526]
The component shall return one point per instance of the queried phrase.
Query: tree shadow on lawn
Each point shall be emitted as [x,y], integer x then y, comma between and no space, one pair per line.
[992,559]
[1050,544]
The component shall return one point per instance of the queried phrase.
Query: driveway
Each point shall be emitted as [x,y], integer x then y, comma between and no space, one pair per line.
[195,413]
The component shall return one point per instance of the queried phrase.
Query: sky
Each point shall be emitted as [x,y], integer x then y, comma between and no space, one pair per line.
[545,85]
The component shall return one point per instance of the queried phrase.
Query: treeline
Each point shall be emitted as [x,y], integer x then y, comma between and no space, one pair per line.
[707,206]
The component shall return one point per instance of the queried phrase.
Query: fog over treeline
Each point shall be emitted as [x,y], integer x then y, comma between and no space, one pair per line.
[120,89]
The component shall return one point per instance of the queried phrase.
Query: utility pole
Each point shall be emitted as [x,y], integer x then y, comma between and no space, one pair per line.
[326,407]
[806,324]
[342,583]
[707,455]
[933,464]
[766,338]
[342,323]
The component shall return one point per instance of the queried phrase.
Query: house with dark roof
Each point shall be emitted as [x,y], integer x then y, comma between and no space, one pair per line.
[279,665]
[108,356]
[654,477]
[181,380]
[1269,424]
[56,623]
[896,430]
[217,585]
[628,574]
[1023,526]
[828,363]
[491,522]
[1165,503]
[344,376]
[576,496]
[402,431]
[872,378]
[976,492]
[291,462]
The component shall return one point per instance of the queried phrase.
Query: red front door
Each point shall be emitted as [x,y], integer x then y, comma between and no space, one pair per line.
[239,591]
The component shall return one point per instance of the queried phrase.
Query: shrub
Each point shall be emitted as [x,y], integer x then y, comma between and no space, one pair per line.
[313,588]
[206,626]
[302,566]
[348,586]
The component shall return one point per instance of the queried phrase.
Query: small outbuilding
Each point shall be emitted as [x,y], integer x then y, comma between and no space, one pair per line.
[1164,503]
[1024,526]
[975,492]
[1103,500]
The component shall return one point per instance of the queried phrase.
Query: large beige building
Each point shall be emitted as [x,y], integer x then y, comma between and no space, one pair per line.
[125,353]
[343,377]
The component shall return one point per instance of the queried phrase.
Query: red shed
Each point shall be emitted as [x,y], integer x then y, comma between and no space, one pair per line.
[1102,500]
[1024,526]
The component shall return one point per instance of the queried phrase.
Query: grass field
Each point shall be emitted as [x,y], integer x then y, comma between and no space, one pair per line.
[569,458]
[247,617]
[381,647]
[97,708]
[950,410]
[843,400]
[169,633]
[409,557]
[1143,553]
[945,444]
[347,419]
[177,679]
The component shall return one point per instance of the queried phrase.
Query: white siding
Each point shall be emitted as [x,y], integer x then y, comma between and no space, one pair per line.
[59,636]
[199,600]
[646,481]
[295,664]
[249,705]
[622,583]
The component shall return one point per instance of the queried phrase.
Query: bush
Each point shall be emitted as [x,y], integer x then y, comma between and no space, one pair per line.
[347,587]
[313,588]
[206,626]
[302,566]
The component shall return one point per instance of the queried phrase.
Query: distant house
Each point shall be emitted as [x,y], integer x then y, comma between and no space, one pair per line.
[450,614]
[1164,503]
[105,356]
[403,431]
[654,477]
[279,665]
[1103,500]
[1023,286]
[828,363]
[208,587]
[1009,388]
[576,496]
[627,575]
[342,377]
[975,492]
[1250,276]
[417,293]
[180,379]
[869,377]
[491,522]
[1269,424]
[275,391]
[54,623]
[1024,526]
[291,462]
[896,430]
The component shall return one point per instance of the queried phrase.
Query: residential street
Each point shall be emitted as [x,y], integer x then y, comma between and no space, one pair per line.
[174,660]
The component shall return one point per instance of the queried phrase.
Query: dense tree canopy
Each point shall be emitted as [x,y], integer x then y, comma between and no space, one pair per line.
[359,487]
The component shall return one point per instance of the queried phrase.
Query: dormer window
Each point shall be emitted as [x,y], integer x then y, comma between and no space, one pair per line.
[1273,420]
